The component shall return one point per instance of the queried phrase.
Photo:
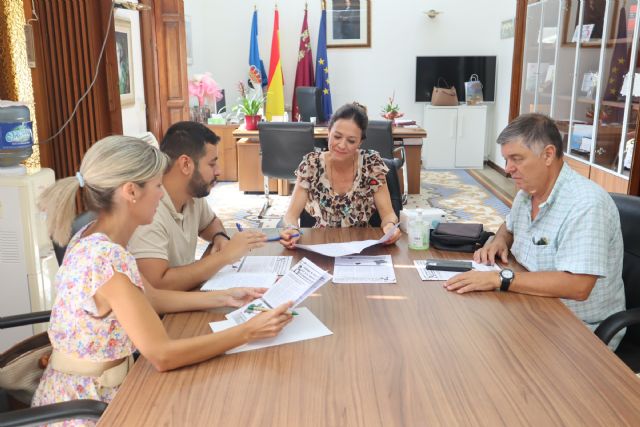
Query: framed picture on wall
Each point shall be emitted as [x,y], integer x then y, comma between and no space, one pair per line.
[348,23]
[124,57]
[592,22]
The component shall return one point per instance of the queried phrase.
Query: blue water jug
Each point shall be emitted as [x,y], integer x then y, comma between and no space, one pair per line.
[16,134]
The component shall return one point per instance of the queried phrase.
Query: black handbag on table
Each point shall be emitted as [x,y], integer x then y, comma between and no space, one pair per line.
[452,236]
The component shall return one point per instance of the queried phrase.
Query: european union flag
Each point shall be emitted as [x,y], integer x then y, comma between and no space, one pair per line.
[257,73]
[322,66]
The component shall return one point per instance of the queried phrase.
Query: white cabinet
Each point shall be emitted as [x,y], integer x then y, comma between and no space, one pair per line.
[456,136]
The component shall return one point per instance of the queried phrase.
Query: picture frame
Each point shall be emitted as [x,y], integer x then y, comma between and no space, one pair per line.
[593,19]
[348,23]
[124,60]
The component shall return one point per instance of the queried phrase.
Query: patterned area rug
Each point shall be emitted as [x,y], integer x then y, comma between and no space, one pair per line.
[453,191]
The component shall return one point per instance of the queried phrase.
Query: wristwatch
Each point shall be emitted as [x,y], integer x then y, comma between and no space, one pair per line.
[506,277]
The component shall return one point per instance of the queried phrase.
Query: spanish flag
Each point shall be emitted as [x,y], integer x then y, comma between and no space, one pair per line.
[275,90]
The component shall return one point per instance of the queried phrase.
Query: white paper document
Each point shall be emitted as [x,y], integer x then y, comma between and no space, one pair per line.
[251,271]
[304,326]
[346,248]
[301,281]
[261,264]
[364,269]
[425,274]
[231,279]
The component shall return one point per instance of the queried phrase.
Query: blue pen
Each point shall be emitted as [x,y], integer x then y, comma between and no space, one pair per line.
[238,226]
[277,238]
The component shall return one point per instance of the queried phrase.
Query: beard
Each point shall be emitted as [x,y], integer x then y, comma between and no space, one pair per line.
[198,187]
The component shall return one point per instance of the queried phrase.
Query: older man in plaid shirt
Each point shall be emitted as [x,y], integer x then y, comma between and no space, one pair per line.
[562,227]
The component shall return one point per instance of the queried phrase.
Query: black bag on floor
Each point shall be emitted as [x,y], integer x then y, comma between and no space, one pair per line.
[452,236]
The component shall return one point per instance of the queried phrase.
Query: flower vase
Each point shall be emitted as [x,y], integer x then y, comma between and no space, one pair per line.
[251,122]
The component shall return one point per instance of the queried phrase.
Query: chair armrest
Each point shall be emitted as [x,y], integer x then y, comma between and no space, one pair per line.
[55,412]
[24,319]
[616,322]
[402,156]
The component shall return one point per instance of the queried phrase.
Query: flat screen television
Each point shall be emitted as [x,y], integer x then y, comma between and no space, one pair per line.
[455,70]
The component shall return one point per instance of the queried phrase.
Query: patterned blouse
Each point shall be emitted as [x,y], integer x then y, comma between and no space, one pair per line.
[74,328]
[352,209]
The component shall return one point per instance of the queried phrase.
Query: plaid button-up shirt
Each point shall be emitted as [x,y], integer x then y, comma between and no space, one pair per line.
[577,230]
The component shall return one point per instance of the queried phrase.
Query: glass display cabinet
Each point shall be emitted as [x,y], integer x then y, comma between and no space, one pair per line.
[580,65]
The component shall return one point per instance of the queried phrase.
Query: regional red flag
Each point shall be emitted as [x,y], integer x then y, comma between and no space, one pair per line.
[275,90]
[304,70]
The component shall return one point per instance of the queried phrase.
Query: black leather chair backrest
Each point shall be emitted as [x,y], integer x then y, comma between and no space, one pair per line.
[629,209]
[379,138]
[221,103]
[393,184]
[81,220]
[310,103]
[283,145]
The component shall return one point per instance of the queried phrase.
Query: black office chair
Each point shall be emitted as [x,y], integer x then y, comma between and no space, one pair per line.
[393,184]
[282,147]
[380,138]
[629,348]
[81,220]
[310,103]
[83,409]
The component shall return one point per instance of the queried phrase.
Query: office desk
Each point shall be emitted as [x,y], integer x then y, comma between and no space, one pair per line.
[249,148]
[407,354]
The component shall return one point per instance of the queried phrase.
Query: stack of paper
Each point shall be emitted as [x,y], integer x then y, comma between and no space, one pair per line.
[299,282]
[364,269]
[425,274]
[252,271]
[304,326]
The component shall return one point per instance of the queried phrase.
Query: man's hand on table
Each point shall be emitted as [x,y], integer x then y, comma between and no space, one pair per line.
[470,281]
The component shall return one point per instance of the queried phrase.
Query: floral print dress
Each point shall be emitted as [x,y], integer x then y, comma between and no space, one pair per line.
[74,328]
[351,209]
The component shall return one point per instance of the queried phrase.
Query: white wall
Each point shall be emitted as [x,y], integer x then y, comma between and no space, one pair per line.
[134,120]
[400,31]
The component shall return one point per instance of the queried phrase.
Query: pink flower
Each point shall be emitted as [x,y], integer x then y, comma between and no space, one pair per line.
[203,87]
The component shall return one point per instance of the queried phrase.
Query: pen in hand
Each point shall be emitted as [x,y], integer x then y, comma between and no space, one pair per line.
[270,239]
[253,307]
[277,238]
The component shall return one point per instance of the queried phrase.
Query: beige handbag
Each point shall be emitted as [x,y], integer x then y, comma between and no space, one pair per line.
[22,365]
[444,96]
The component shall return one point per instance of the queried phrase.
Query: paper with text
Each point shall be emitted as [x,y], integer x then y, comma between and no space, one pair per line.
[364,269]
[425,274]
[347,248]
[304,326]
[231,279]
[301,281]
[261,264]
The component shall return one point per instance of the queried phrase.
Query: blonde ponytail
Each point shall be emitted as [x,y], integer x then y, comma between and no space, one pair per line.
[59,202]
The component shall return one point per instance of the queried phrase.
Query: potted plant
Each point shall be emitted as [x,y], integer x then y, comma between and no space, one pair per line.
[250,104]
[391,111]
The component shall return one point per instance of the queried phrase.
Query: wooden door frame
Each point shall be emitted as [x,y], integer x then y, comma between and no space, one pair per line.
[150,69]
[157,88]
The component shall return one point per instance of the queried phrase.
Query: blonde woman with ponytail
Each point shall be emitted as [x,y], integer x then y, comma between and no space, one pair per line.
[104,308]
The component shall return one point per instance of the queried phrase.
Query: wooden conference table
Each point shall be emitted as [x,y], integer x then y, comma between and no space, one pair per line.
[248,146]
[407,354]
